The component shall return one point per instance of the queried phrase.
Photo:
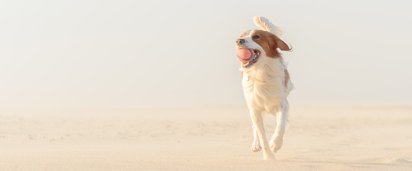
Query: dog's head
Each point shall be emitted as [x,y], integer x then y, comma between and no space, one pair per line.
[253,44]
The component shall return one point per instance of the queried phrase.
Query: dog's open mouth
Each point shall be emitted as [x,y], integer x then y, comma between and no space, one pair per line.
[247,56]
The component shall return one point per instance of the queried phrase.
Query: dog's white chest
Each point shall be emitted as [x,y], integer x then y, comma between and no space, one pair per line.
[263,85]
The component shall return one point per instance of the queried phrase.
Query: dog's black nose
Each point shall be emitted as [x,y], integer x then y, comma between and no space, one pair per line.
[240,41]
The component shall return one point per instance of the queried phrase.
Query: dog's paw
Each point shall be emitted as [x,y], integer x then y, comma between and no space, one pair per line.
[268,155]
[276,144]
[255,147]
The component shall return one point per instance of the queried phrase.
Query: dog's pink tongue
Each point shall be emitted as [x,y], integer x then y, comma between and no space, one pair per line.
[244,54]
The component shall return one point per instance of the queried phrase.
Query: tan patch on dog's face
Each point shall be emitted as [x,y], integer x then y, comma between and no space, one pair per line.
[269,42]
[266,41]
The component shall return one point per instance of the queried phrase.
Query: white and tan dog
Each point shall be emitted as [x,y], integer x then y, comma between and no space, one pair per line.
[266,82]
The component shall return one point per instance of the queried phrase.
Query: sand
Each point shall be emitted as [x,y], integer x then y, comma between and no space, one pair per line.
[331,138]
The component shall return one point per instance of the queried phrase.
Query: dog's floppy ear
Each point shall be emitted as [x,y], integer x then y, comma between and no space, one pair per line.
[264,24]
[282,45]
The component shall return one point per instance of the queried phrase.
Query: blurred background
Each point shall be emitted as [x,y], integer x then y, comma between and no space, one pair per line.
[99,54]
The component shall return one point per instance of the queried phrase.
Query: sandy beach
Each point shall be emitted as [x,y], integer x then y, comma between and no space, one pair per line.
[333,138]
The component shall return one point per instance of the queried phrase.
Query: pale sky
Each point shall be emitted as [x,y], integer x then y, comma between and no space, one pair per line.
[128,53]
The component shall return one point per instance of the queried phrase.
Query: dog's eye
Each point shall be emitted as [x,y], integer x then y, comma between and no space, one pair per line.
[255,37]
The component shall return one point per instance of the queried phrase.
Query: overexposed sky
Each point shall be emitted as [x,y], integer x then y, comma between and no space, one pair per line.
[127,53]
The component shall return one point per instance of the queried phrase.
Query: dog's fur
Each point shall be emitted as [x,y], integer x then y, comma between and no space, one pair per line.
[266,84]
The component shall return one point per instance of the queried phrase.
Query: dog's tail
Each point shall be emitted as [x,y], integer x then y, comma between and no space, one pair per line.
[264,24]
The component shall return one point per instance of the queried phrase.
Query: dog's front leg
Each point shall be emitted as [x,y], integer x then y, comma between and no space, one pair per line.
[257,120]
[276,141]
[255,144]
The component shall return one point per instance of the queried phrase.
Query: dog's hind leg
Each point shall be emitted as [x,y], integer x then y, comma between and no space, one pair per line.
[257,120]
[276,141]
